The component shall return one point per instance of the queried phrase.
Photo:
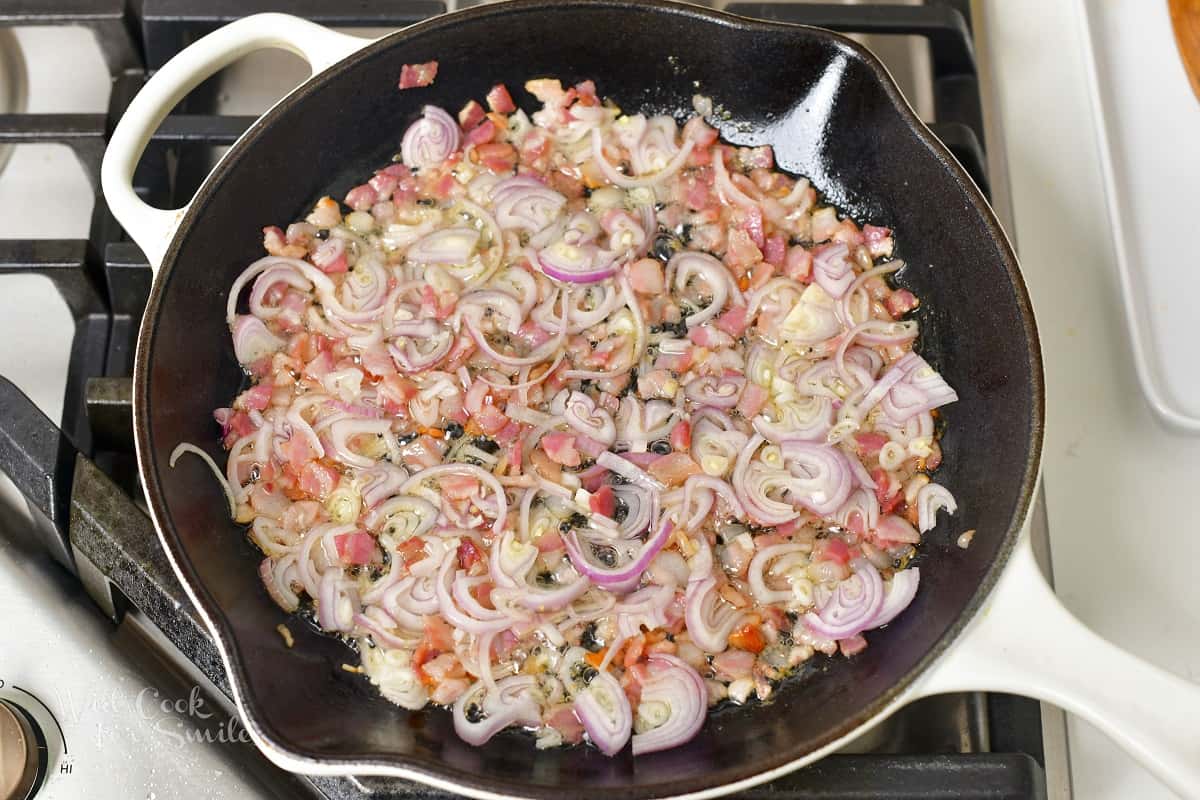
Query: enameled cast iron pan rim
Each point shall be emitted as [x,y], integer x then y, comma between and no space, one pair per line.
[737,776]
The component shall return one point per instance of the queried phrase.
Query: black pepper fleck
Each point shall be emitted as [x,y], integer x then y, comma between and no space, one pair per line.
[584,672]
[620,511]
[588,640]
[486,445]
[664,247]
[678,328]
[605,554]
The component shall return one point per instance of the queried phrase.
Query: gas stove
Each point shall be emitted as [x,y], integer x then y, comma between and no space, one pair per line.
[110,685]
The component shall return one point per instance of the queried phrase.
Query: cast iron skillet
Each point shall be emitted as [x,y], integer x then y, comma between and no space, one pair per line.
[832,113]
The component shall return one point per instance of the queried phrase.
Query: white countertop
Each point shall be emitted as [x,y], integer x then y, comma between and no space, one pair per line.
[1120,487]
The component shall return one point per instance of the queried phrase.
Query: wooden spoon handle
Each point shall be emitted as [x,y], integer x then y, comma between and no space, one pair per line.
[1185,19]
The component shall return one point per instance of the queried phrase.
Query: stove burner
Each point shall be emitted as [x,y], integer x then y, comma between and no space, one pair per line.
[81,483]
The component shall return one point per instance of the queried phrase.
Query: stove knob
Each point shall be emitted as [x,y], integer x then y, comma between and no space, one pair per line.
[23,753]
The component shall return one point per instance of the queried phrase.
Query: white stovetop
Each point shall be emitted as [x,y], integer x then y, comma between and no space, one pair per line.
[1119,486]
[122,744]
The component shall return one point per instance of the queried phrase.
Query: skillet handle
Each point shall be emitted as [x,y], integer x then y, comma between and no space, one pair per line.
[1023,641]
[152,228]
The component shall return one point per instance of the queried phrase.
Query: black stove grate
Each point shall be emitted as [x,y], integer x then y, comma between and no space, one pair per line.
[80,480]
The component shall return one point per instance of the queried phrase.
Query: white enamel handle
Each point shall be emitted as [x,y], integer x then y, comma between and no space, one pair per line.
[152,228]
[1023,641]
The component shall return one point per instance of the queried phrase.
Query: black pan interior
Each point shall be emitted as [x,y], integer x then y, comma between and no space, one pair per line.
[832,115]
